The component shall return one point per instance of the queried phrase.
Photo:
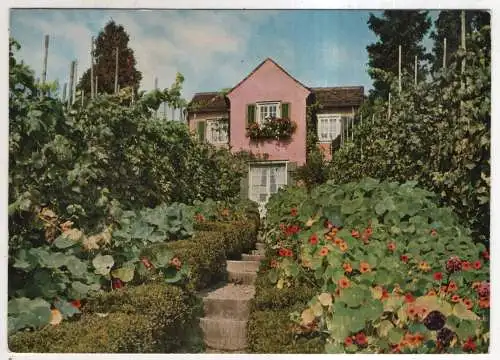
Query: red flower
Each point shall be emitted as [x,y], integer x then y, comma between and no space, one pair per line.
[452,287]
[328,224]
[484,303]
[438,276]
[409,298]
[348,341]
[294,212]
[344,283]
[146,263]
[455,298]
[292,229]
[355,234]
[313,239]
[469,345]
[282,227]
[364,267]
[199,218]
[116,283]
[289,253]
[282,252]
[466,265]
[323,251]
[385,294]
[347,267]
[404,258]
[361,339]
[477,264]
[274,263]
[391,246]
[368,231]
[76,303]
[485,255]
[468,303]
[433,232]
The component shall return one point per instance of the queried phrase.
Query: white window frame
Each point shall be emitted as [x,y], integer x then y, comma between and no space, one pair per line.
[334,126]
[270,164]
[210,123]
[266,104]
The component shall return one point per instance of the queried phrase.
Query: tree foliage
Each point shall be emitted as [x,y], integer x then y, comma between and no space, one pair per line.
[396,27]
[437,134]
[448,25]
[111,37]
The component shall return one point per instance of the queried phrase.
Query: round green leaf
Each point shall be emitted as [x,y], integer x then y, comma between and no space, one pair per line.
[103,264]
[125,274]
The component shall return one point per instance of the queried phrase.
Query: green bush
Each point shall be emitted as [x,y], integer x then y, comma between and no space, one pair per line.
[271,331]
[239,236]
[145,318]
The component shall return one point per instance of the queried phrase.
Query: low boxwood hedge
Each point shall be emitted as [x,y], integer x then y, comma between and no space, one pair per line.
[141,319]
[278,335]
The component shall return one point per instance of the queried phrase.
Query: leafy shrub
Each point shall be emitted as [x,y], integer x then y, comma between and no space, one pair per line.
[225,211]
[315,171]
[145,318]
[385,256]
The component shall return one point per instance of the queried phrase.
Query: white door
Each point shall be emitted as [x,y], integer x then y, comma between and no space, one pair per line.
[265,180]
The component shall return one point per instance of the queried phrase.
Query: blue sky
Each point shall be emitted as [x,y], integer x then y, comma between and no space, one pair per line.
[212,49]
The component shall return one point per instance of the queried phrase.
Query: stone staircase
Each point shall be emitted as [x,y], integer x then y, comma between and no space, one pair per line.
[227,308]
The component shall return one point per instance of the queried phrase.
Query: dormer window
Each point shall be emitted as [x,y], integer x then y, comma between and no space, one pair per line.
[267,111]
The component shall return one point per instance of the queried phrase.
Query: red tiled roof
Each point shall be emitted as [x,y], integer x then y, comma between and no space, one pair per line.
[208,102]
[339,96]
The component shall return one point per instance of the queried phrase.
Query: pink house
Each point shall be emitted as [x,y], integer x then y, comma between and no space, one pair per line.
[267,114]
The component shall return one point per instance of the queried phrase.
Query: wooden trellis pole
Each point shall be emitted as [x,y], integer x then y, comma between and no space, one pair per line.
[96,85]
[64,92]
[416,69]
[116,70]
[75,77]
[399,68]
[71,79]
[352,127]
[389,107]
[45,56]
[92,85]
[444,53]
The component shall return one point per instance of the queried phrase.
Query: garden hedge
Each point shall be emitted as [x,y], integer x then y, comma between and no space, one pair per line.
[278,335]
[141,319]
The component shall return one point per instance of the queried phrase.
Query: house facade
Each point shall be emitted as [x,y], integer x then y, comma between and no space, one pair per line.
[266,114]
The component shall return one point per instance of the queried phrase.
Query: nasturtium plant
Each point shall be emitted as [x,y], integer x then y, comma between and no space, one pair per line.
[395,272]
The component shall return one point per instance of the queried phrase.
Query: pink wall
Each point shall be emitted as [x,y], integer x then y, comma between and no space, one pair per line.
[269,83]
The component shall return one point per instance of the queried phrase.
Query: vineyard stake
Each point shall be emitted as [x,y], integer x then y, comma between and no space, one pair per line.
[75,76]
[64,92]
[399,67]
[70,87]
[444,53]
[416,69]
[92,87]
[116,70]
[45,56]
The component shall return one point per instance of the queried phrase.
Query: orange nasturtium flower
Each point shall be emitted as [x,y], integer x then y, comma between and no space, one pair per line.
[347,267]
[468,303]
[484,303]
[323,251]
[424,266]
[391,246]
[343,246]
[364,267]
[344,283]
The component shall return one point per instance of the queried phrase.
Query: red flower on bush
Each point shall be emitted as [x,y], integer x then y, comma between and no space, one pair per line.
[289,253]
[434,232]
[469,345]
[355,234]
[484,303]
[361,339]
[323,251]
[76,304]
[199,218]
[485,255]
[391,246]
[347,267]
[438,276]
[313,239]
[292,229]
[116,283]
[282,227]
[368,231]
[409,298]
[385,294]
[274,263]
[348,341]
[477,264]
[404,258]
[344,283]
[282,252]
[364,267]
[294,212]
[466,265]
[452,287]
[343,246]
[455,298]
[147,264]
[468,303]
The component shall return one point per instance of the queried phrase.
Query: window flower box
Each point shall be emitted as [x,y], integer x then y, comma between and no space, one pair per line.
[273,128]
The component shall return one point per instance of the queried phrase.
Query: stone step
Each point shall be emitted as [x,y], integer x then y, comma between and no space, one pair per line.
[242,266]
[258,252]
[251,257]
[260,246]
[224,334]
[244,278]
[231,301]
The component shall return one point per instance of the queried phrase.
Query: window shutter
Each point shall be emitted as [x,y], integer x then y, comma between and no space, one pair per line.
[250,114]
[201,130]
[285,110]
